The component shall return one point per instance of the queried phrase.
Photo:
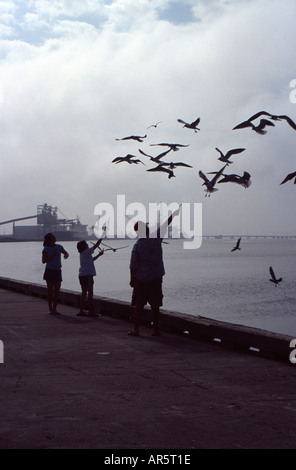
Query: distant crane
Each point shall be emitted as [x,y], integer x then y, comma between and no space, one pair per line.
[16,220]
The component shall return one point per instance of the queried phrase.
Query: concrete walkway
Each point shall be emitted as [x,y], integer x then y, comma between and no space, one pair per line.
[71,382]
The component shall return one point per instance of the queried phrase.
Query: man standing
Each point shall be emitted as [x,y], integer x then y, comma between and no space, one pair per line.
[146,273]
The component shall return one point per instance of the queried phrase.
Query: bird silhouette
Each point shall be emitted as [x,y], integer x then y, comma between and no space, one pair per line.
[134,137]
[154,125]
[173,147]
[289,177]
[173,165]
[193,125]
[211,183]
[274,117]
[248,122]
[237,246]
[258,129]
[273,278]
[128,159]
[244,180]
[158,157]
[113,249]
[165,170]
[225,158]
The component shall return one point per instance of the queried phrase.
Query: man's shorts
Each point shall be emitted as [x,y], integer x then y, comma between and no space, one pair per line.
[86,280]
[148,292]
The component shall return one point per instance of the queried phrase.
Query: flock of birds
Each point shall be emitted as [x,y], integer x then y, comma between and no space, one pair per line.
[163,166]
[220,176]
[245,179]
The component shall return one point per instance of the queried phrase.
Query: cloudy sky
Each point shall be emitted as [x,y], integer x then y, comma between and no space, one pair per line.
[78,74]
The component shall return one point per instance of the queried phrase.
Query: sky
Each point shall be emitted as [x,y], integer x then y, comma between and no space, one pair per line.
[77,75]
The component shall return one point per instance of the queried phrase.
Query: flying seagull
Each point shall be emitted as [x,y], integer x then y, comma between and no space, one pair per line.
[134,137]
[210,184]
[237,246]
[173,147]
[225,158]
[173,165]
[274,117]
[154,125]
[128,158]
[289,177]
[258,129]
[165,170]
[193,125]
[244,180]
[273,278]
[158,157]
[247,123]
[113,249]
[110,247]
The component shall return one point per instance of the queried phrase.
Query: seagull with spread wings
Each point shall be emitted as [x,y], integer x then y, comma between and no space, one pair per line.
[210,184]
[165,170]
[193,125]
[154,125]
[258,129]
[134,137]
[173,147]
[113,249]
[244,180]
[273,117]
[128,159]
[237,246]
[110,247]
[157,158]
[225,158]
[273,277]
[173,165]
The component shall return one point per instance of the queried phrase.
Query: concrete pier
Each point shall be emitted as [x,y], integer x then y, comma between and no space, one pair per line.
[71,382]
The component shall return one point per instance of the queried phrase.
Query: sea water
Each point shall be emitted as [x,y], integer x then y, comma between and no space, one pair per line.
[210,281]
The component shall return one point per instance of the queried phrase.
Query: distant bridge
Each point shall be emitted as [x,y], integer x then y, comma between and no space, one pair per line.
[293,237]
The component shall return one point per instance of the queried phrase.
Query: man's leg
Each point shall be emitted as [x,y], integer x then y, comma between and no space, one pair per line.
[156,302]
[137,320]
[155,320]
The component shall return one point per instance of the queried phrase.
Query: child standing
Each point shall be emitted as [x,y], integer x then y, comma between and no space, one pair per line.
[87,271]
[51,256]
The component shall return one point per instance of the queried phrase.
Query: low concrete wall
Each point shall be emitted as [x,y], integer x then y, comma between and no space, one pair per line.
[248,339]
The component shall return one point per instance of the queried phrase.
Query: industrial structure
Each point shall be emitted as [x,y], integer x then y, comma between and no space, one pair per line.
[47,221]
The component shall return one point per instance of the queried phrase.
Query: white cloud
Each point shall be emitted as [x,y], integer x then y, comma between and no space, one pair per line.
[90,72]
[55,9]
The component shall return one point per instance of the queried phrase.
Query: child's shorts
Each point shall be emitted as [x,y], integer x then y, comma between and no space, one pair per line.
[52,275]
[86,280]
